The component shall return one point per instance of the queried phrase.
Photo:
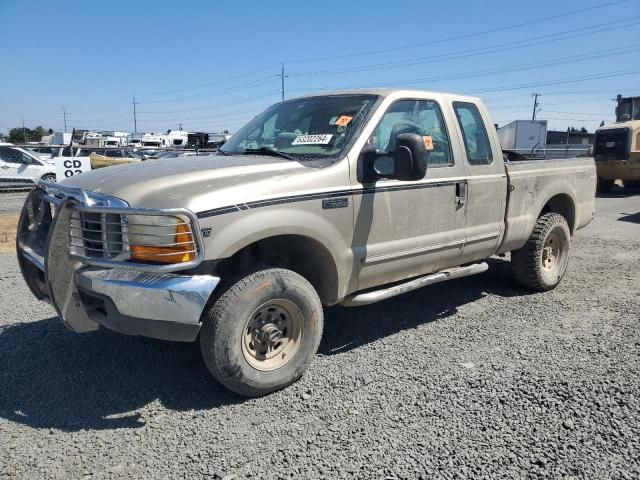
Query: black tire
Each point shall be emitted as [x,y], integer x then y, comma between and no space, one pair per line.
[531,264]
[604,186]
[631,183]
[49,177]
[228,323]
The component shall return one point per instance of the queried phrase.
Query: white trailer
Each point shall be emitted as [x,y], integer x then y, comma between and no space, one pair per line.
[61,138]
[523,135]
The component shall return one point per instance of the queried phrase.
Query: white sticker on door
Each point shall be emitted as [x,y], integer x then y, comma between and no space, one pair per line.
[321,139]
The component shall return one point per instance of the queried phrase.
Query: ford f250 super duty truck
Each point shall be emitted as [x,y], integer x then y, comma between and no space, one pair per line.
[346,198]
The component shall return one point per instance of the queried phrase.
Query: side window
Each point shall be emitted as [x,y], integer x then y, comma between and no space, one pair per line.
[11,155]
[422,117]
[474,133]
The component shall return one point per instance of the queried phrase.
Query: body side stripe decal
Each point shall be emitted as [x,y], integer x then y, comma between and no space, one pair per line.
[321,196]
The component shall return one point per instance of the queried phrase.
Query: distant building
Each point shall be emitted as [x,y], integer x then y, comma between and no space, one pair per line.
[555,137]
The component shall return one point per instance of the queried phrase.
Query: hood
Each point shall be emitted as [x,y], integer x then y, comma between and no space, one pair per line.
[198,182]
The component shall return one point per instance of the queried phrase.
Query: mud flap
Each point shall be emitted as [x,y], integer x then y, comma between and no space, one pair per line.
[60,271]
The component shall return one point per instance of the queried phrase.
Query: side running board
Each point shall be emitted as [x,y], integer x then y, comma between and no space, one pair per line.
[358,299]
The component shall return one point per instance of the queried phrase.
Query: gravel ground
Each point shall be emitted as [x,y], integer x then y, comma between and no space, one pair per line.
[471,378]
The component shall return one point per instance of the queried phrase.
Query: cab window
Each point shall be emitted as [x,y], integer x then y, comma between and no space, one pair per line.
[474,133]
[11,155]
[422,117]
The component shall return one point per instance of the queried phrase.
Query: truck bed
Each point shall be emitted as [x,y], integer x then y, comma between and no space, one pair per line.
[533,185]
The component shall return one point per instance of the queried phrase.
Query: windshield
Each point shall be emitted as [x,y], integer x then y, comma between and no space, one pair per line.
[313,127]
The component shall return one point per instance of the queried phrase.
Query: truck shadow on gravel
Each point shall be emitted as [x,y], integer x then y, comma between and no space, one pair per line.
[53,378]
[349,328]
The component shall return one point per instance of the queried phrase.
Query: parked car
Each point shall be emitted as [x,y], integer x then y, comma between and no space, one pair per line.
[347,198]
[44,153]
[21,168]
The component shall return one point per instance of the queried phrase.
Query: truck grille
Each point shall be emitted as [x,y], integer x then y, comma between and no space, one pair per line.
[99,235]
[611,144]
[106,232]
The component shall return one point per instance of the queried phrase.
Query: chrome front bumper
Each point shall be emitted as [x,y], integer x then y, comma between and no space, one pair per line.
[165,306]
[134,302]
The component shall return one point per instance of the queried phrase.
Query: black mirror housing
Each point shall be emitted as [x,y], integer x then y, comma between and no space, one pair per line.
[410,157]
[408,160]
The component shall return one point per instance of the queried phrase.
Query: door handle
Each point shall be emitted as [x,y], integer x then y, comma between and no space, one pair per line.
[461,193]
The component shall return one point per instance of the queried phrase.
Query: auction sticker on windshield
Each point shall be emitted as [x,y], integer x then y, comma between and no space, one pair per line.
[321,139]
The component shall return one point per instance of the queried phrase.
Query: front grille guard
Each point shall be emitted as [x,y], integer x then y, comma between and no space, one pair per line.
[90,202]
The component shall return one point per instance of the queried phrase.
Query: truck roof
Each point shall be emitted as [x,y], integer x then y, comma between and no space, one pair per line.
[385,92]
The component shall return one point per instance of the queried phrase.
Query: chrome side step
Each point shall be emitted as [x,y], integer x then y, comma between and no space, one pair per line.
[358,299]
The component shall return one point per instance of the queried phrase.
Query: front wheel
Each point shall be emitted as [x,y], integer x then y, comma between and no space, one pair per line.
[541,263]
[263,332]
[49,177]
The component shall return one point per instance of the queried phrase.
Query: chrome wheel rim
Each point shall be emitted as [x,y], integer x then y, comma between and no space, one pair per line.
[552,253]
[272,334]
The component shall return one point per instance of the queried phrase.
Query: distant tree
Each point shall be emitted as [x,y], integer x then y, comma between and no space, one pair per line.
[573,130]
[584,130]
[226,132]
[602,123]
[24,135]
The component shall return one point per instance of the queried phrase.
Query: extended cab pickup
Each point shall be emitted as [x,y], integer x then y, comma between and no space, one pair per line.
[346,198]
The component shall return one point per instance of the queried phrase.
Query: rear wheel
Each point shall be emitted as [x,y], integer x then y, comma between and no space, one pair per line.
[263,332]
[541,263]
[604,185]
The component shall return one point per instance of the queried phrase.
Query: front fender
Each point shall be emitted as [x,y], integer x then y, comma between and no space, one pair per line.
[332,228]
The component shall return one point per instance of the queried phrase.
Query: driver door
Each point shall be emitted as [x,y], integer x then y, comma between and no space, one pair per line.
[408,228]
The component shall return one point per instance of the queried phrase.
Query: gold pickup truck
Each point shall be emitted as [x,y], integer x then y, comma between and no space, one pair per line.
[347,198]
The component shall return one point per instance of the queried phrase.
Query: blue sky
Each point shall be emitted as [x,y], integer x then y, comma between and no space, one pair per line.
[214,65]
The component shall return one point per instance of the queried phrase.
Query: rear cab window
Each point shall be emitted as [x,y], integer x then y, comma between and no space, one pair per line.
[474,134]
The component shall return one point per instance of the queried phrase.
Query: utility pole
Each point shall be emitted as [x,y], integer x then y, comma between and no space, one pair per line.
[64,115]
[535,106]
[180,126]
[135,119]
[282,80]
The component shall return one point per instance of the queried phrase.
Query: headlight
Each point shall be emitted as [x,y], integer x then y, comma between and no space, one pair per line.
[160,238]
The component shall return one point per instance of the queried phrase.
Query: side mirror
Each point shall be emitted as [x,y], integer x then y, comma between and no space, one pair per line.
[410,157]
[406,162]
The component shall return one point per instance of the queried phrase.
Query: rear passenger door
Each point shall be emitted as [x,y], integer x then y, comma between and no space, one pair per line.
[486,182]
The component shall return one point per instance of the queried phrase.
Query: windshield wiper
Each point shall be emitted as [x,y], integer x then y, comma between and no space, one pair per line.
[269,151]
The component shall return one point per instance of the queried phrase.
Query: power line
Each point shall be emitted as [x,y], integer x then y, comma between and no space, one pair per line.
[559,82]
[236,88]
[470,35]
[213,106]
[466,53]
[459,37]
[217,82]
[493,71]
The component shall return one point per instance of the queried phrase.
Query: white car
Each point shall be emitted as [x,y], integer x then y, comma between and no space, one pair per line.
[21,168]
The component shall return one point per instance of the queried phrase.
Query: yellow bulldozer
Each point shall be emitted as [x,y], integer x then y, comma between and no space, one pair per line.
[616,147]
